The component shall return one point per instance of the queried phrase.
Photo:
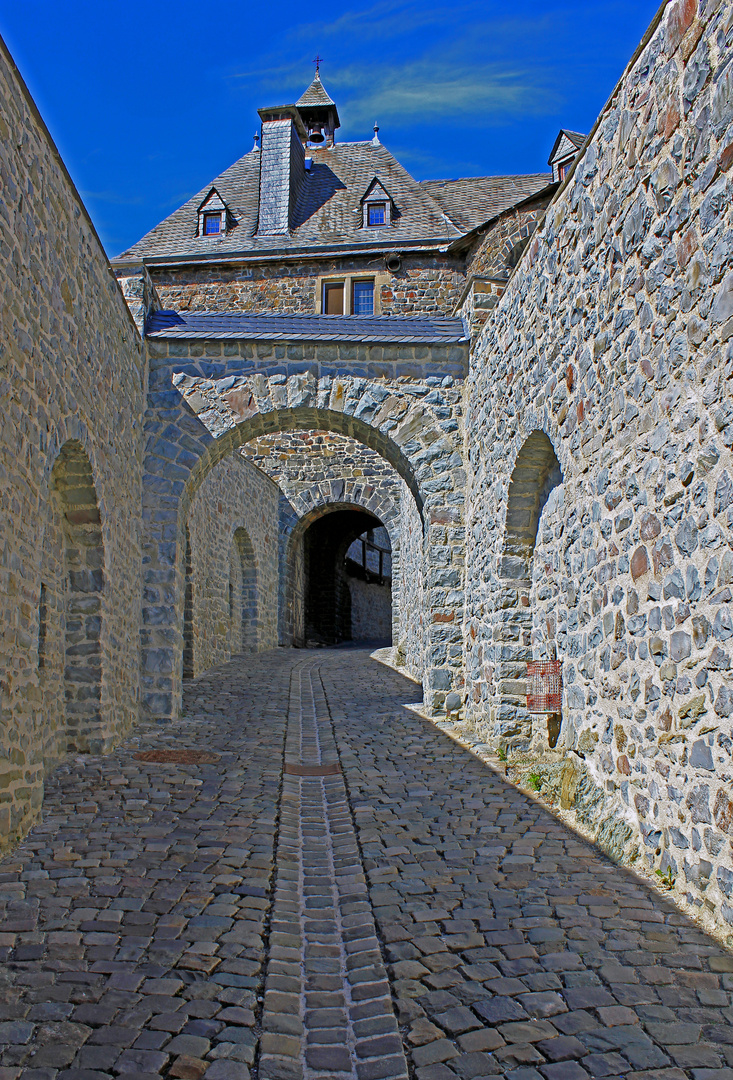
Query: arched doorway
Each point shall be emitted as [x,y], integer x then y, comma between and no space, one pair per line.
[344,595]
[243,608]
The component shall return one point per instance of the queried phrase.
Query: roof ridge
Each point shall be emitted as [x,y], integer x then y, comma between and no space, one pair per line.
[489,176]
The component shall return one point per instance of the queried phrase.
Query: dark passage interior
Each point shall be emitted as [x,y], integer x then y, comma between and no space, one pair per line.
[348,579]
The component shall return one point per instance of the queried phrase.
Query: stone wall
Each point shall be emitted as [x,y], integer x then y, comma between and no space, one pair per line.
[410,639]
[73,381]
[234,565]
[423,286]
[613,340]
[500,249]
[371,611]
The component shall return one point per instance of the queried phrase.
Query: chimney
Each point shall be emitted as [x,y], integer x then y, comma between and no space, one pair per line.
[282,169]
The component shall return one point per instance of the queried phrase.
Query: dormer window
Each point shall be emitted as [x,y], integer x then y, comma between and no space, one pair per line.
[214,217]
[376,206]
[212,224]
[376,214]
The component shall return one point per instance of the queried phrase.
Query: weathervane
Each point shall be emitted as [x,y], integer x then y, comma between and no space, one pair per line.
[318,61]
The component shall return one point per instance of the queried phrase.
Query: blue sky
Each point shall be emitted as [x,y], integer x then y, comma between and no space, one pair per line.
[149,101]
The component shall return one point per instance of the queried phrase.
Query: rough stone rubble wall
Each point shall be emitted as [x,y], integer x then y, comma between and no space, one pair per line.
[72,370]
[234,495]
[422,286]
[499,251]
[614,338]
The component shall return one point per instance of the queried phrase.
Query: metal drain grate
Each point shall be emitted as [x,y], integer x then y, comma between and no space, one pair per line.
[312,770]
[178,757]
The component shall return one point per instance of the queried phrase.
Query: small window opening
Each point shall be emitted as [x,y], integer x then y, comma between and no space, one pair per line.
[333,298]
[212,224]
[377,214]
[564,169]
[42,627]
[362,298]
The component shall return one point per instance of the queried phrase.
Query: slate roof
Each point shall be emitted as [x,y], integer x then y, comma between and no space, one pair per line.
[388,329]
[471,201]
[328,213]
[315,95]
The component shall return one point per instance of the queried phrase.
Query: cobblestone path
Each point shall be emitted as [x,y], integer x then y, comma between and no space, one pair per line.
[333,888]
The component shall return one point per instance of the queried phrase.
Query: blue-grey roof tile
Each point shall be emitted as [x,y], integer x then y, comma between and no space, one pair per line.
[348,328]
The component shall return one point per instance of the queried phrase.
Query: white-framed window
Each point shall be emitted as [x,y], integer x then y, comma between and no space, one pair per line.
[348,295]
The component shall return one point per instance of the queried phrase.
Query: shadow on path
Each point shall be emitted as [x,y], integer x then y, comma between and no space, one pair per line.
[515,946]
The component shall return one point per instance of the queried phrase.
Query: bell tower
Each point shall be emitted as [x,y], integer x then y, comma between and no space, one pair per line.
[319,112]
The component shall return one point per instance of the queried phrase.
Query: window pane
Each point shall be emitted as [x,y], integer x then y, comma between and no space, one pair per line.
[376,214]
[333,296]
[212,224]
[362,298]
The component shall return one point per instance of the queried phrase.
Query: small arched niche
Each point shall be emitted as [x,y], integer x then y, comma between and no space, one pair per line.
[535,476]
[70,655]
[243,602]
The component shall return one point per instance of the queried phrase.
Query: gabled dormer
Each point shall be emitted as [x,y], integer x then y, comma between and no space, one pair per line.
[377,207]
[564,152]
[214,218]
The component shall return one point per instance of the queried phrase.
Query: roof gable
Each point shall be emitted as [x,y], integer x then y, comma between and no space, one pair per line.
[566,145]
[213,201]
[376,192]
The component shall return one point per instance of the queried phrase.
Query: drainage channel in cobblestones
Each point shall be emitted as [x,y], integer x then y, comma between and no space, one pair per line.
[328,1005]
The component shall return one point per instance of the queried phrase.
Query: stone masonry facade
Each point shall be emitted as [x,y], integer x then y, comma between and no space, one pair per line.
[613,341]
[421,285]
[536,408]
[73,378]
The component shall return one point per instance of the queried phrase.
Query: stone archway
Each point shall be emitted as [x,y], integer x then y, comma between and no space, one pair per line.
[292,585]
[535,475]
[302,510]
[184,445]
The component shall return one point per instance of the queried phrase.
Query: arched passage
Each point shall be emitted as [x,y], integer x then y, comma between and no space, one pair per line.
[311,504]
[325,602]
[70,609]
[535,475]
[182,450]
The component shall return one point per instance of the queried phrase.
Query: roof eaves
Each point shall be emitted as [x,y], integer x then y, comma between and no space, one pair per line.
[440,244]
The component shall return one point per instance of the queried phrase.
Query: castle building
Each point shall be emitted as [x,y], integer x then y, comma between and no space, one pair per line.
[485,419]
[305,224]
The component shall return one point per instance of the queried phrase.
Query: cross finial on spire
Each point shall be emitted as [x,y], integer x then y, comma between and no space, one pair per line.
[318,61]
